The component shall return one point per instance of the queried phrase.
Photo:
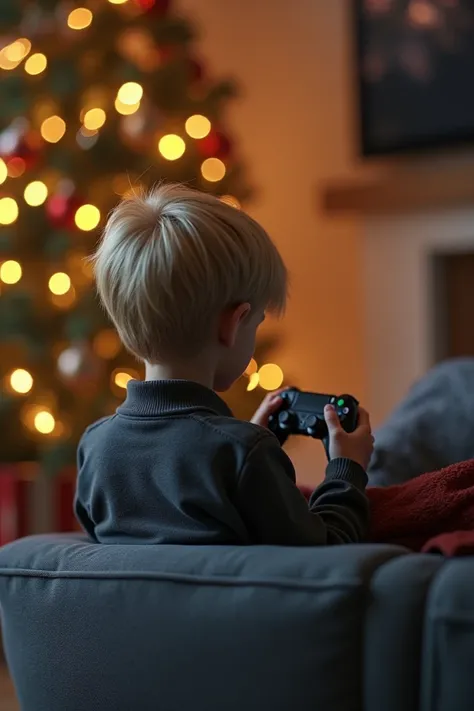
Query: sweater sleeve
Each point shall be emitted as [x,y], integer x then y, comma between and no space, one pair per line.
[80,510]
[277,513]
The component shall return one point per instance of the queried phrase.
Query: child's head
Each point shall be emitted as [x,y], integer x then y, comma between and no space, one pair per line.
[184,275]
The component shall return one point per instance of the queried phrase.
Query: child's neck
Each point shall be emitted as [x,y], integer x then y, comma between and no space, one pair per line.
[181,371]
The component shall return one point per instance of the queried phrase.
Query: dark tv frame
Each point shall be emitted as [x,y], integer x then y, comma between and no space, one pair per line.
[366,148]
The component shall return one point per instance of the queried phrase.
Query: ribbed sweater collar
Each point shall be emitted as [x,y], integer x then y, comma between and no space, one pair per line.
[154,398]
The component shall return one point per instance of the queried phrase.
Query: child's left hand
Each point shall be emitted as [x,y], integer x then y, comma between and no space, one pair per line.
[270,404]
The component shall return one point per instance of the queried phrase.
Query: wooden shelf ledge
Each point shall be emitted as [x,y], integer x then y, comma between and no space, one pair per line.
[403,190]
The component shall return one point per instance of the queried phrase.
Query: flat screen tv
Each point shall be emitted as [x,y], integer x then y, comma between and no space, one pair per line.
[415,70]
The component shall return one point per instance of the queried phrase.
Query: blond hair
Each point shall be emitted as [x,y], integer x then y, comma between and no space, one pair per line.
[172,259]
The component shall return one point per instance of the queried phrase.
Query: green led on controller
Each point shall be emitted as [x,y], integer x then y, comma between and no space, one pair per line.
[340,402]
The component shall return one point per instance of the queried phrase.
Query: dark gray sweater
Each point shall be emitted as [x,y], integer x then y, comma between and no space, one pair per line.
[174,466]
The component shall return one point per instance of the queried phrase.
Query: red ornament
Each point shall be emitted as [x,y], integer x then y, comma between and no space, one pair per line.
[215,145]
[154,7]
[26,153]
[61,210]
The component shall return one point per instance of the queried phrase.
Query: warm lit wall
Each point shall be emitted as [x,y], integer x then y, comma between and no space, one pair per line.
[295,126]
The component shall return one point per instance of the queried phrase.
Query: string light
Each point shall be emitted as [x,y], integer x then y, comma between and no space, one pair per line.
[59,283]
[87,217]
[126,109]
[231,200]
[36,64]
[21,381]
[3,171]
[8,211]
[118,2]
[5,63]
[251,368]
[18,50]
[44,422]
[94,119]
[213,170]
[121,378]
[80,18]
[130,93]
[53,129]
[253,382]
[35,193]
[10,272]
[270,376]
[171,146]
[198,126]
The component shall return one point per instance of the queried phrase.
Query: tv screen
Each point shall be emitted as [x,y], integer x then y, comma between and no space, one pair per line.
[415,65]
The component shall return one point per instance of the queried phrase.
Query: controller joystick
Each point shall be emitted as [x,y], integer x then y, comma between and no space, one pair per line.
[302,413]
[286,420]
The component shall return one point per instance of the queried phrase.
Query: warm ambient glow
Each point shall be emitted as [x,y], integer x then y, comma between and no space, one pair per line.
[53,129]
[130,93]
[198,126]
[3,171]
[44,422]
[87,217]
[171,146]
[36,64]
[10,272]
[270,376]
[94,119]
[8,211]
[213,170]
[59,283]
[64,301]
[253,382]
[126,109]
[80,18]
[35,193]
[107,344]
[21,381]
[118,2]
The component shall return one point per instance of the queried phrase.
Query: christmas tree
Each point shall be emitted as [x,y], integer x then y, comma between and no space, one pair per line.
[98,98]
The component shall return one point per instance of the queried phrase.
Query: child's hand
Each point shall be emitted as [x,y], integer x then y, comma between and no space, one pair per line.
[357,445]
[270,404]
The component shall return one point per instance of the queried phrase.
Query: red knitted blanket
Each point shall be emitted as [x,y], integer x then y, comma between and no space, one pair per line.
[431,513]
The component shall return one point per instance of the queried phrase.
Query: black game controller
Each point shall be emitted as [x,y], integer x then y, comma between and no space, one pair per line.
[303,414]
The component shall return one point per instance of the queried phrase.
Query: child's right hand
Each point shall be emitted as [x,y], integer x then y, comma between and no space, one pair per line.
[357,446]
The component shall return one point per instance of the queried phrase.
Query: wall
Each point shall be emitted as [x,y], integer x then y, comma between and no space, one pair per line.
[295,125]
[400,297]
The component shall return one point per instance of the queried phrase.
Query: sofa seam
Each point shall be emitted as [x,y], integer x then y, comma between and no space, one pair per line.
[178,578]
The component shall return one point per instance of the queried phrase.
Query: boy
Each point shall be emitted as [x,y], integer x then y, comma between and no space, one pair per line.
[187,279]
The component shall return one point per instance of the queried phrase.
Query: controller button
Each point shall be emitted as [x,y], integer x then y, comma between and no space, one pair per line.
[340,402]
[346,410]
[311,421]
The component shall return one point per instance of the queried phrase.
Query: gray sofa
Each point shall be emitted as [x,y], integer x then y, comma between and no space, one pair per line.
[92,627]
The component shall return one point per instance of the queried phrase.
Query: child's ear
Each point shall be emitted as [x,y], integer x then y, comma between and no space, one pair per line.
[229,323]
